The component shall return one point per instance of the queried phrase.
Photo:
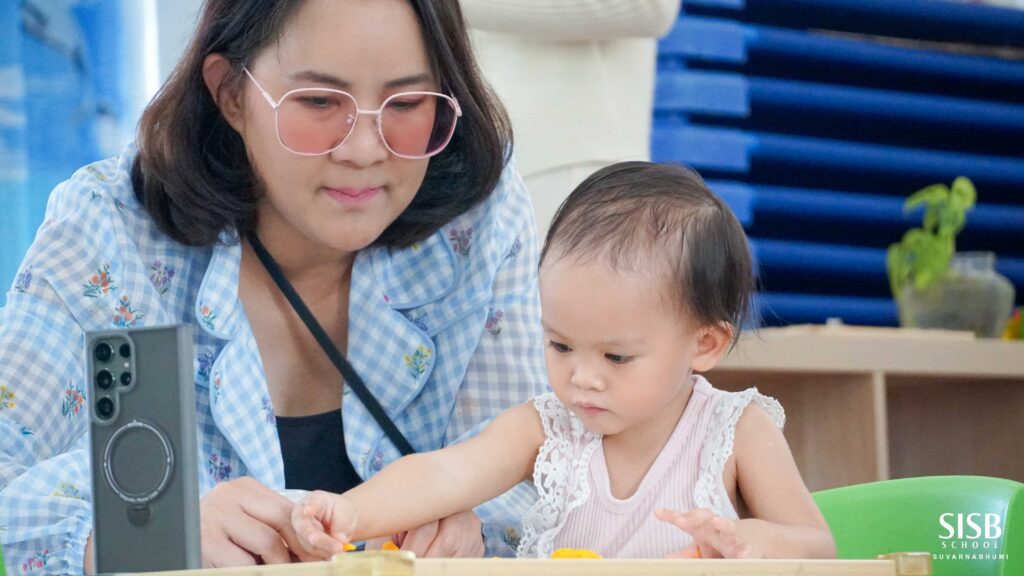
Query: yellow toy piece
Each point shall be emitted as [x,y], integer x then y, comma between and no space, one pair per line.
[576,553]
[350,547]
[1014,330]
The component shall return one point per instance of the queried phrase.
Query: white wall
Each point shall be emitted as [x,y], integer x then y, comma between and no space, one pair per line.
[175,20]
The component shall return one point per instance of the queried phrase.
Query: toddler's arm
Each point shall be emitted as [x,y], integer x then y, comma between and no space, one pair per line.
[785,522]
[424,487]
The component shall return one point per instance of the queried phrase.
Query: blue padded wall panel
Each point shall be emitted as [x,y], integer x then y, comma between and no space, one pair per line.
[814,137]
[731,99]
[933,20]
[753,49]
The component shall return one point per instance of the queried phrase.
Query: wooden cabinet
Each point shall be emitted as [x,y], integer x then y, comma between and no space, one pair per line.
[866,404]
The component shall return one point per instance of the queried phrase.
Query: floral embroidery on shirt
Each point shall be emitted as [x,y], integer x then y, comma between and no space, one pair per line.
[418,361]
[95,194]
[208,316]
[461,240]
[160,275]
[205,365]
[26,431]
[494,319]
[268,409]
[377,462]
[124,315]
[67,490]
[219,470]
[216,387]
[517,245]
[74,399]
[35,562]
[511,537]
[7,398]
[99,175]
[119,205]
[23,281]
[100,284]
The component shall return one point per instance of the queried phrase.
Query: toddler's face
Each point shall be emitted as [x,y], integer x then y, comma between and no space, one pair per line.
[618,353]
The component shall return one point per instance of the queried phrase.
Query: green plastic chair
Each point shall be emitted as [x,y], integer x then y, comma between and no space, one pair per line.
[942,515]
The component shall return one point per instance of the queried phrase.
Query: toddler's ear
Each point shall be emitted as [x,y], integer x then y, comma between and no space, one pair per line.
[713,342]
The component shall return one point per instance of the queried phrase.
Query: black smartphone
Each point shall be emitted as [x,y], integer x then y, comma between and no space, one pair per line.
[143,441]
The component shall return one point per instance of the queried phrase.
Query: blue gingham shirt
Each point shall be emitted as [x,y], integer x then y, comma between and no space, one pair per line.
[446,334]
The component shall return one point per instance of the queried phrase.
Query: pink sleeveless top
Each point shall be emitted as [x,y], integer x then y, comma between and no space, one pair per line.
[576,509]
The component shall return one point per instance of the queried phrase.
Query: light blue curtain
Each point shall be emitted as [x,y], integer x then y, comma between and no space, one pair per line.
[68,96]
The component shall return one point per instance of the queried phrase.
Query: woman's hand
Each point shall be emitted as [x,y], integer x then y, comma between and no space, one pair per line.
[713,536]
[88,568]
[457,536]
[324,523]
[244,523]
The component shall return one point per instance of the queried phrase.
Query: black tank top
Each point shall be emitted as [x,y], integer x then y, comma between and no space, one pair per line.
[313,448]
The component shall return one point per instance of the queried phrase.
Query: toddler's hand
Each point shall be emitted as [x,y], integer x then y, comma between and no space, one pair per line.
[324,523]
[713,536]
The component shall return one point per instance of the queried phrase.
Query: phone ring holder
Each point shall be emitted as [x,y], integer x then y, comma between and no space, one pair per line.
[131,431]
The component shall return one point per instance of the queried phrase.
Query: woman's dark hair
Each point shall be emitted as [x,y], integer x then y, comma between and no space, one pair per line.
[192,173]
[661,217]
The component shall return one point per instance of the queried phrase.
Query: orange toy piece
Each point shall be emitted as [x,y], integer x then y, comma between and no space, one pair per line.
[389,545]
[576,553]
[349,547]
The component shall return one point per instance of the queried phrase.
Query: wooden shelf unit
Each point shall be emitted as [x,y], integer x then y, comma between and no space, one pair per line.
[867,404]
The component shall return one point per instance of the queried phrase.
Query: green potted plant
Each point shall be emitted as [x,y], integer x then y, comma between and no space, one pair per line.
[934,285]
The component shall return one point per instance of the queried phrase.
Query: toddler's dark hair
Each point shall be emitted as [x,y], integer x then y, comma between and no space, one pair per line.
[638,215]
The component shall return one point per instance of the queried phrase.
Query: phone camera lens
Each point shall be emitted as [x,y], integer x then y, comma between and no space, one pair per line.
[126,378]
[104,379]
[105,408]
[103,352]
[125,350]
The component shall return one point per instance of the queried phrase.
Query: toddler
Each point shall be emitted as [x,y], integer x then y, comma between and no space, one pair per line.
[645,279]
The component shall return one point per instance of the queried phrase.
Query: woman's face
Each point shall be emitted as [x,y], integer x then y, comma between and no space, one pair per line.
[341,201]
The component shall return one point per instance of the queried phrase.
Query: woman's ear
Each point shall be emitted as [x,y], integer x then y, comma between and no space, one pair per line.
[228,98]
[713,342]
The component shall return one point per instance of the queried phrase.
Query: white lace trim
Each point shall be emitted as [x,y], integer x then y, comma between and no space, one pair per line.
[560,475]
[710,491]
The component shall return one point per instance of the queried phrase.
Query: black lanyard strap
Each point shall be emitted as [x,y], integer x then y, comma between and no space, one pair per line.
[337,358]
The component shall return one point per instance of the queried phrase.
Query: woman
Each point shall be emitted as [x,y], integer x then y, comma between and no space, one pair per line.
[317,134]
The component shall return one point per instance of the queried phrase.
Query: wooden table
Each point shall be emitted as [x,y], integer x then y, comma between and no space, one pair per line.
[397,564]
